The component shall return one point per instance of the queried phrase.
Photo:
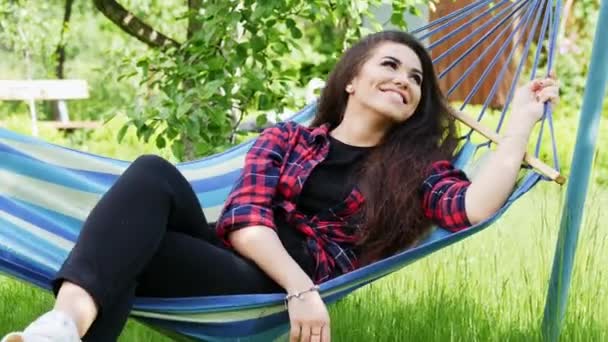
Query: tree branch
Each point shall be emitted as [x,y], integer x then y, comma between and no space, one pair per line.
[132,25]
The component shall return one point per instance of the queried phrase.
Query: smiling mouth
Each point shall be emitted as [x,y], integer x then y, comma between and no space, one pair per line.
[403,98]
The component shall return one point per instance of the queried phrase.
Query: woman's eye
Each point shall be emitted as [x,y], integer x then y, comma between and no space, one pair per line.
[390,64]
[417,79]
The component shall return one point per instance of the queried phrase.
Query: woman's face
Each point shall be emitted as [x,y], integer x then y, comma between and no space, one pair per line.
[389,83]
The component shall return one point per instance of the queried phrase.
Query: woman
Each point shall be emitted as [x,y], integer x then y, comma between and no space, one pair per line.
[366,180]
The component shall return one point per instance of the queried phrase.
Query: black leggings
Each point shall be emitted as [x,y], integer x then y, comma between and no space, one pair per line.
[148,236]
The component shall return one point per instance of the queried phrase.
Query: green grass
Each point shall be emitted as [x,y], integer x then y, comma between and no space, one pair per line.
[491,287]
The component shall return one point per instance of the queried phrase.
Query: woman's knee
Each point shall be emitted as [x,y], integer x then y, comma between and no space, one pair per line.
[151,161]
[153,164]
[155,169]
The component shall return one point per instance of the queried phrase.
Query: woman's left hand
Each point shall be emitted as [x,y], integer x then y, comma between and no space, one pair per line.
[528,102]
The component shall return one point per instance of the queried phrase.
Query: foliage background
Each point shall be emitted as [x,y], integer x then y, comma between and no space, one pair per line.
[247,61]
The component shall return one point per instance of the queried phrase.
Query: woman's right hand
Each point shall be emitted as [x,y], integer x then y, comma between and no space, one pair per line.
[309,319]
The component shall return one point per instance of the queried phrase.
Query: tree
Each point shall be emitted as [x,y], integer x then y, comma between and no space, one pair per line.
[239,58]
[26,34]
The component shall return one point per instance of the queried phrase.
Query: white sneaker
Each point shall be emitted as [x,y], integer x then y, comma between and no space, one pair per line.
[53,326]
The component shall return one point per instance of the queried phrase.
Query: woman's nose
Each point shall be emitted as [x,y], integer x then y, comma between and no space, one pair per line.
[401,81]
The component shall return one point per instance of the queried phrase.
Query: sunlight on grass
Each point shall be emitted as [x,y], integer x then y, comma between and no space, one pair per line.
[490,287]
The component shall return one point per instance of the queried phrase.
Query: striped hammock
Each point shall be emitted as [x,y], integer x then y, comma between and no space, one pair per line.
[47,191]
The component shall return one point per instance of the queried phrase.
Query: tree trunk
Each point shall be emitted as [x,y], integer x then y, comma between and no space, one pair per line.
[132,25]
[194,25]
[60,53]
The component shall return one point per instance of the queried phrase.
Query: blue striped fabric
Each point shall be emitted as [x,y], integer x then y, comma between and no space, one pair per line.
[46,192]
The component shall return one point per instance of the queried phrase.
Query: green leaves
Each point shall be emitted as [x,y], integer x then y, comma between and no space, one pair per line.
[258,43]
[293,28]
[249,59]
[261,120]
[210,89]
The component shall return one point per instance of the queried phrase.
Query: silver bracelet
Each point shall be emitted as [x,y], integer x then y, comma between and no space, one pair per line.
[298,295]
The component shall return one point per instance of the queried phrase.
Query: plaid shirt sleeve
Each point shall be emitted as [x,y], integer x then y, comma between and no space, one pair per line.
[443,193]
[249,203]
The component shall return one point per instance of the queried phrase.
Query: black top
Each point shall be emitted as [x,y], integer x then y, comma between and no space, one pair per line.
[329,183]
[333,179]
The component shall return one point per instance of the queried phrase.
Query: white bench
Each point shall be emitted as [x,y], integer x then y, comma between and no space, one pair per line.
[45,90]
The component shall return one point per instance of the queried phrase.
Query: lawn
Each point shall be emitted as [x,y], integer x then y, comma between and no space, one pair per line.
[491,287]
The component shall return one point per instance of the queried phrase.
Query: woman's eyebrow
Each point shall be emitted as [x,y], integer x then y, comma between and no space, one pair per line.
[396,60]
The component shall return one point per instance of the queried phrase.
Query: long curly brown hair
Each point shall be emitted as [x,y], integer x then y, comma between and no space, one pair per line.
[393,173]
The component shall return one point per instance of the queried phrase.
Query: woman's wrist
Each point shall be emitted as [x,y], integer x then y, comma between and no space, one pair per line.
[301,295]
[298,282]
[516,136]
[520,131]
[520,125]
[299,287]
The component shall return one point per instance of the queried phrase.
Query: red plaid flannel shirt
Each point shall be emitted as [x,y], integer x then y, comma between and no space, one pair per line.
[276,169]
